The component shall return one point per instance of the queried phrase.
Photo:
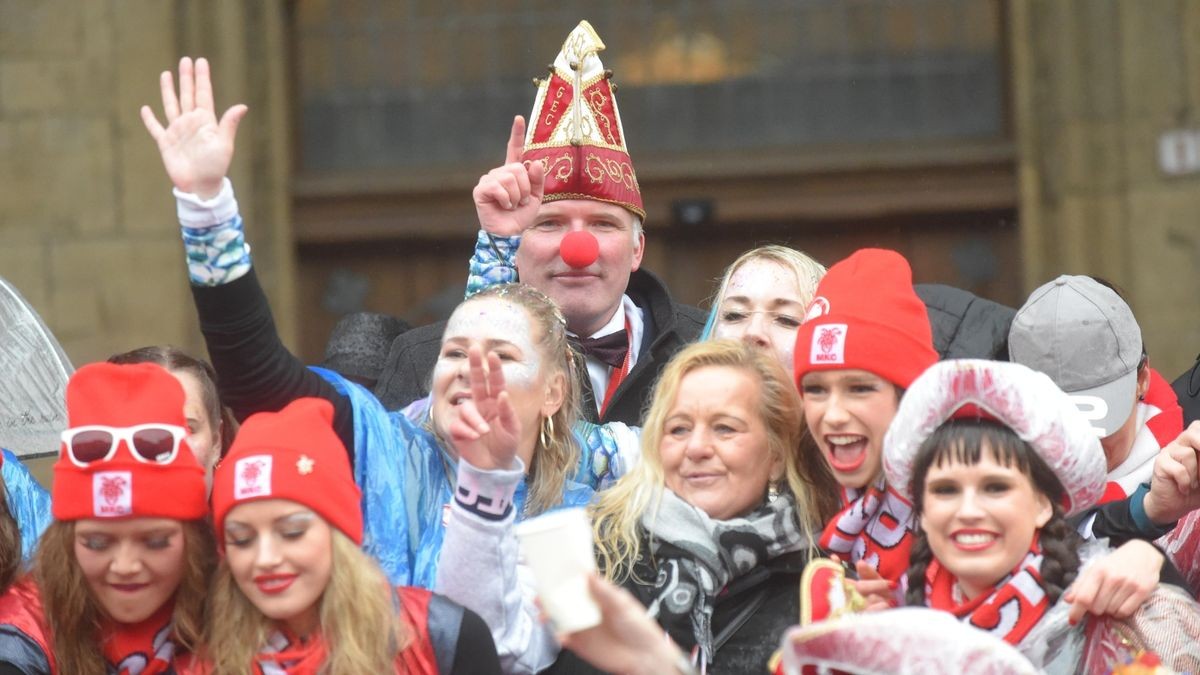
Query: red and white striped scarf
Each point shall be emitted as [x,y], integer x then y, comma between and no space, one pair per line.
[1009,612]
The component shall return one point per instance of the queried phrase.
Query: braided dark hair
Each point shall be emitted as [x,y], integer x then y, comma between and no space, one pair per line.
[963,441]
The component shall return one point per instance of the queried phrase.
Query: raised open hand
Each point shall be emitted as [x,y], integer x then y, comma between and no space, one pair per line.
[196,149]
[507,197]
[487,430]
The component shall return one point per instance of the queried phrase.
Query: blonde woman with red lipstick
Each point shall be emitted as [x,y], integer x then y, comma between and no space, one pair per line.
[119,578]
[865,339]
[294,593]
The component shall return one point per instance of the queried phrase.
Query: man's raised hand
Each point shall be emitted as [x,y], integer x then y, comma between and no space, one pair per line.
[507,197]
[196,149]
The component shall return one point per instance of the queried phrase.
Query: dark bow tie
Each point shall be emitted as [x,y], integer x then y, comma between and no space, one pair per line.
[609,349]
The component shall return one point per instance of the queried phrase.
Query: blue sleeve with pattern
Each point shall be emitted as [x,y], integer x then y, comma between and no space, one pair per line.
[216,255]
[494,262]
[607,452]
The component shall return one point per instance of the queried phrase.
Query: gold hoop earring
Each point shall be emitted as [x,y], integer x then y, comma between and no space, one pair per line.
[546,433]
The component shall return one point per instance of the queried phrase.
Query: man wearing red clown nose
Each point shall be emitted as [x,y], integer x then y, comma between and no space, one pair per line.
[564,213]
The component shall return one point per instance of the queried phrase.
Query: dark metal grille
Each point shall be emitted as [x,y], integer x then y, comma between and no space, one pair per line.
[408,84]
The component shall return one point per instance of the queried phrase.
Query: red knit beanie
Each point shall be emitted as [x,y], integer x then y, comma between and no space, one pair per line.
[866,316]
[122,396]
[292,454]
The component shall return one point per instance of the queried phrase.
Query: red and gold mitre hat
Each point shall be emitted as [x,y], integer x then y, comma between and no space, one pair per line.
[575,129]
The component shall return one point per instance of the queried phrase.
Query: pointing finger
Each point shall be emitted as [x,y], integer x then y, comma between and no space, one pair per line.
[516,141]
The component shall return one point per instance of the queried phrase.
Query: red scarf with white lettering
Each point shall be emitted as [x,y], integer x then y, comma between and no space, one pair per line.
[1008,612]
[143,648]
[875,525]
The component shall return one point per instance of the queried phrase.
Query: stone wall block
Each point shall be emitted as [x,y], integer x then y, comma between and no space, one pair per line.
[145,201]
[1100,92]
[144,47]
[147,302]
[24,266]
[86,179]
[40,86]
[44,28]
[1165,273]
[1153,58]
[1091,157]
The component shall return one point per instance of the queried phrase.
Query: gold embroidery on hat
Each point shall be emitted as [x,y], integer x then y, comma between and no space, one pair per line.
[597,101]
[597,168]
[558,196]
[562,166]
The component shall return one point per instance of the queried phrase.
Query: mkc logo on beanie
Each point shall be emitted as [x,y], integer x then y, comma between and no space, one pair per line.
[252,477]
[294,455]
[112,493]
[829,344]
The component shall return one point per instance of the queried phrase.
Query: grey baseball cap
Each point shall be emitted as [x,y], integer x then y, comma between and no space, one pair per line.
[1083,335]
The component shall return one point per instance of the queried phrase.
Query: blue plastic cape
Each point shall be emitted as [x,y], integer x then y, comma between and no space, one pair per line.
[407,479]
[28,502]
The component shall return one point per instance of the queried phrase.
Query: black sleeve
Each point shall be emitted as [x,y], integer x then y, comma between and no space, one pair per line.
[255,372]
[1187,390]
[1114,520]
[475,653]
[7,668]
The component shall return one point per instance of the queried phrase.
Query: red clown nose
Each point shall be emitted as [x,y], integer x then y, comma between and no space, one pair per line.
[579,249]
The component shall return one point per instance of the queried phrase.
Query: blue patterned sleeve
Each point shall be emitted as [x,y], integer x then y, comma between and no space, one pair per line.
[217,255]
[607,452]
[213,237]
[494,262]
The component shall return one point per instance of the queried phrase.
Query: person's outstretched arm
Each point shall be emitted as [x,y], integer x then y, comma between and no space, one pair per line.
[255,371]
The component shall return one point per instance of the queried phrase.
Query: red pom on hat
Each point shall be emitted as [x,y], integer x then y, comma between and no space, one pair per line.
[292,454]
[114,395]
[866,316]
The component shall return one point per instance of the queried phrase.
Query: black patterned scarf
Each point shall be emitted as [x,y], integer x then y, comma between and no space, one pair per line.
[695,557]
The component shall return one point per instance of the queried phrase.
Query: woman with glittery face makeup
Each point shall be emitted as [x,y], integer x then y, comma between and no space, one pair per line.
[495,325]
[404,461]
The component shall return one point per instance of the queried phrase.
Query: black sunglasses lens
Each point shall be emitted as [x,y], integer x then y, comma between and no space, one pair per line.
[154,445]
[91,446]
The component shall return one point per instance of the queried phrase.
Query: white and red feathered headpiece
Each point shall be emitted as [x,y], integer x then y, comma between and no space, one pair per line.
[575,129]
[1024,400]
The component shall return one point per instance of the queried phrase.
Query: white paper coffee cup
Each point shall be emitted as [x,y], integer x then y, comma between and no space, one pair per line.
[557,548]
